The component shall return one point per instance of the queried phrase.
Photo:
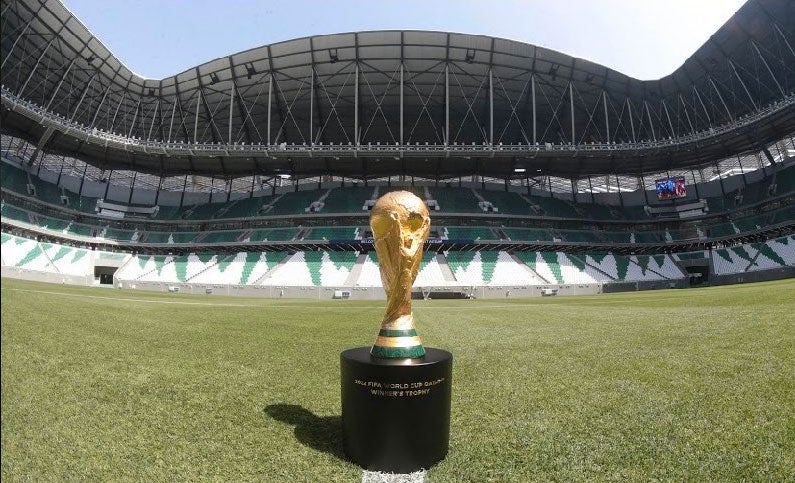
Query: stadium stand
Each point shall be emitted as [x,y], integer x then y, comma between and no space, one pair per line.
[333,269]
[509,209]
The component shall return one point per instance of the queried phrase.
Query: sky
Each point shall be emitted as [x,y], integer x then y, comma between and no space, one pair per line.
[645,39]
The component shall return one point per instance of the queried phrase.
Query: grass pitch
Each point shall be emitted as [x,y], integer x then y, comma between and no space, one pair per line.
[675,385]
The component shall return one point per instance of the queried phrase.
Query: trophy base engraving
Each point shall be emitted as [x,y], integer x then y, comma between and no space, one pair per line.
[396,412]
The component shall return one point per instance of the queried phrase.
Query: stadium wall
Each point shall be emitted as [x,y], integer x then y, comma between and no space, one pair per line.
[748,277]
[48,277]
[362,293]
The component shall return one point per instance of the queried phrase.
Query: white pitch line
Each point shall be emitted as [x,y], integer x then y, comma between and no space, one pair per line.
[266,306]
[128,299]
[378,477]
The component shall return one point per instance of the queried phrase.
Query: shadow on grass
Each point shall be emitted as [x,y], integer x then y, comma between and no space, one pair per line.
[319,433]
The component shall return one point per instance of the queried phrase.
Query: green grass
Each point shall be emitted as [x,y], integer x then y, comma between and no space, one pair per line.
[673,385]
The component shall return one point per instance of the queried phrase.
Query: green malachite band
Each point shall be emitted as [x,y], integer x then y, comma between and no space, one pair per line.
[397,333]
[398,352]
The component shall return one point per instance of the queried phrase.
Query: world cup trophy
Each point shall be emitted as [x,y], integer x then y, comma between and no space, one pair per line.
[400,224]
[396,395]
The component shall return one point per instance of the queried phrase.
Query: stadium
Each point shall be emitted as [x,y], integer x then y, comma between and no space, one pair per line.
[252,175]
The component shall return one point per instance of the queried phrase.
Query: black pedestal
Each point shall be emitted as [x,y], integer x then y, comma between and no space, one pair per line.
[396,412]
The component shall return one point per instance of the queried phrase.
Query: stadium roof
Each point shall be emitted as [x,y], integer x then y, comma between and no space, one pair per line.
[431,104]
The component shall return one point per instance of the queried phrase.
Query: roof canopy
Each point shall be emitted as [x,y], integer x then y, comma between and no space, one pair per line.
[519,105]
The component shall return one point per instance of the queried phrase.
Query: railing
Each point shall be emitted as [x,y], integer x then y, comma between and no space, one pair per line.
[99,136]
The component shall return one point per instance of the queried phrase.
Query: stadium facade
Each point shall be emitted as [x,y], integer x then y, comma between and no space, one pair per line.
[253,173]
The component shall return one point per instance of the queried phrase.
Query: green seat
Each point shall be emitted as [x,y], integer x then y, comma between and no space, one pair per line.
[14,179]
[53,224]
[470,233]
[77,229]
[157,237]
[346,200]
[556,207]
[293,203]
[14,213]
[274,234]
[222,236]
[331,233]
[528,234]
[507,202]
[578,236]
[119,235]
[455,200]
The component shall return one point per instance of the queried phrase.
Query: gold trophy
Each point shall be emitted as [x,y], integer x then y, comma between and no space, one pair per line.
[400,224]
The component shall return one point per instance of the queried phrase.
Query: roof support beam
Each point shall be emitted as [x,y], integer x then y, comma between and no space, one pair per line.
[154,118]
[104,96]
[275,83]
[607,118]
[447,103]
[214,132]
[60,83]
[118,106]
[728,112]
[270,98]
[82,96]
[173,111]
[533,95]
[491,106]
[769,70]
[745,88]
[784,37]
[196,118]
[16,40]
[401,100]
[178,103]
[631,121]
[231,111]
[36,65]
[315,99]
[244,113]
[687,115]
[135,113]
[571,106]
[356,106]
[703,106]
[651,123]
[668,116]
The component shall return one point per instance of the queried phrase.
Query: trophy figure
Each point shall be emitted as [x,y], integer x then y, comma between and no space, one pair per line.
[400,225]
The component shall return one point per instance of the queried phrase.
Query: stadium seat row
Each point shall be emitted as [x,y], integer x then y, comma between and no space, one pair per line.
[331,269]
